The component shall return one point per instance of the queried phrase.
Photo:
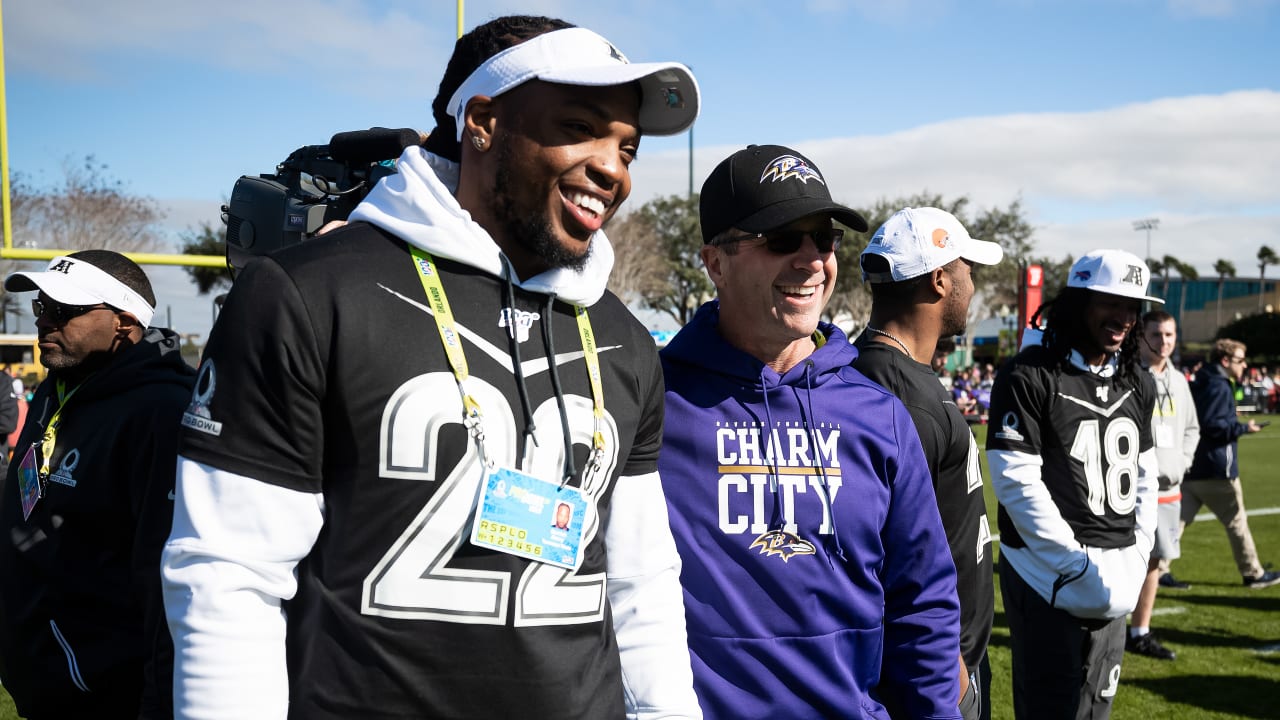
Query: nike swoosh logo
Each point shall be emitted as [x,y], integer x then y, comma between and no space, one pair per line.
[528,368]
[1103,411]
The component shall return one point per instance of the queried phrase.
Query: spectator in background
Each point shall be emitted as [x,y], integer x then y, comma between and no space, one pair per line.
[1214,477]
[941,353]
[11,416]
[1176,431]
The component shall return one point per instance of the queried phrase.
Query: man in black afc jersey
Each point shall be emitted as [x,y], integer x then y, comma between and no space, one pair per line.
[1074,468]
[388,416]
[920,265]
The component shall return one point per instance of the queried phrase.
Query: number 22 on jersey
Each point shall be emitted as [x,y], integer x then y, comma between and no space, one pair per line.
[413,579]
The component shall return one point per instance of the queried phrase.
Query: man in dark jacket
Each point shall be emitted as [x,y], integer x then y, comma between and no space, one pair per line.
[1214,477]
[89,498]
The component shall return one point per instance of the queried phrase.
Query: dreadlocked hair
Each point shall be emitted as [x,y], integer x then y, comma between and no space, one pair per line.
[469,53]
[1062,320]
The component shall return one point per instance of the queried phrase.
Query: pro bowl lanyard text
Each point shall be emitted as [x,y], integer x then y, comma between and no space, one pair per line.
[452,342]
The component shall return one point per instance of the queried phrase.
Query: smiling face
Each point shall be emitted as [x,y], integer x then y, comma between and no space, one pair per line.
[770,303]
[1107,320]
[554,168]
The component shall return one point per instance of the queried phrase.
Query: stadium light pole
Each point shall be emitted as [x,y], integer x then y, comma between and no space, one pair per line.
[1147,224]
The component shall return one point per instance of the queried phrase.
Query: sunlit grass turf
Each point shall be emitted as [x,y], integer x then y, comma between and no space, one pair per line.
[1220,630]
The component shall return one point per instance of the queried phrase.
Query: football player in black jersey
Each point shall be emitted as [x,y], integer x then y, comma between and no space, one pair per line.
[920,265]
[388,416]
[1074,469]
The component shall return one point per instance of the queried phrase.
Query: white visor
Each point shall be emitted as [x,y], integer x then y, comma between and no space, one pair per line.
[577,56]
[71,281]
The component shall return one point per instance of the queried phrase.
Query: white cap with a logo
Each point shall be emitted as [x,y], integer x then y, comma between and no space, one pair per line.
[916,241]
[73,281]
[576,56]
[1114,272]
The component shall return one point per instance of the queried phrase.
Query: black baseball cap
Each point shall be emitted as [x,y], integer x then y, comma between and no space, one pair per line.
[763,187]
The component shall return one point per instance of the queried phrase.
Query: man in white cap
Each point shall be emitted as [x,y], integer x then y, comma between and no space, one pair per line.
[388,416]
[920,266]
[89,496]
[1074,469]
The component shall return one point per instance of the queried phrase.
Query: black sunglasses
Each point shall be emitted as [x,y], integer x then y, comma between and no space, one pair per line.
[785,242]
[60,313]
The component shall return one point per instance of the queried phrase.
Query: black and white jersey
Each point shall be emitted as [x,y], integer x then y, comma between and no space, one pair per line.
[1087,429]
[952,454]
[326,374]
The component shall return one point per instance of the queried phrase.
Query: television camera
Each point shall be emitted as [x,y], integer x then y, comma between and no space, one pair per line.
[314,185]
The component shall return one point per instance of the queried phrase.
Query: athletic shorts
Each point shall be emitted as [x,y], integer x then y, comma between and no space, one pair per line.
[1168,544]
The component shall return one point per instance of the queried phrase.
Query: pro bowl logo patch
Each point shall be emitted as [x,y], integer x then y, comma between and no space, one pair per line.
[197,416]
[63,475]
[1009,428]
[789,166]
[783,544]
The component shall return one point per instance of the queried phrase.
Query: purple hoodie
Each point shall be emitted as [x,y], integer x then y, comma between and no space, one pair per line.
[817,578]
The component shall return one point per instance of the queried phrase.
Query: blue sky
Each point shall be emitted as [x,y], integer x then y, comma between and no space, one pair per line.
[1095,113]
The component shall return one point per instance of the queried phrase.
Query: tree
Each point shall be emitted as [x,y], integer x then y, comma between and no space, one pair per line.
[87,210]
[1168,265]
[1187,273]
[1259,332]
[1266,256]
[1225,269]
[206,241]
[677,284]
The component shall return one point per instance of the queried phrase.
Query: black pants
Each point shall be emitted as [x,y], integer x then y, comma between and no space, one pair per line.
[1063,666]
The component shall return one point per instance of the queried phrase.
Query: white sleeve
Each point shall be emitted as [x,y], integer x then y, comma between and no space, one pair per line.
[1016,479]
[1148,485]
[229,561]
[648,604]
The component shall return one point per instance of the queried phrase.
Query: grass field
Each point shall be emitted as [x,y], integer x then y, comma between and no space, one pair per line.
[1227,637]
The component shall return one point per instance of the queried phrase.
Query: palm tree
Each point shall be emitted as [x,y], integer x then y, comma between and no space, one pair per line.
[1188,274]
[1225,269]
[1161,268]
[1170,264]
[1266,256]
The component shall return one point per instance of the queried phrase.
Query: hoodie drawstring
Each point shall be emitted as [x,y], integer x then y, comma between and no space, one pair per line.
[819,469]
[509,300]
[776,521]
[569,469]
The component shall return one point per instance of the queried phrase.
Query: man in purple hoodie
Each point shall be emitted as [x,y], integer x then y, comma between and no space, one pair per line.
[817,578]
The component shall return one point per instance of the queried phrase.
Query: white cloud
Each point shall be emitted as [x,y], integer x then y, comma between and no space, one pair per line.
[1205,165]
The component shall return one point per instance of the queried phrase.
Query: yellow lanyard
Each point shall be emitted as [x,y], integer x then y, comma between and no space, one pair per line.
[50,438]
[452,342]
[593,372]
